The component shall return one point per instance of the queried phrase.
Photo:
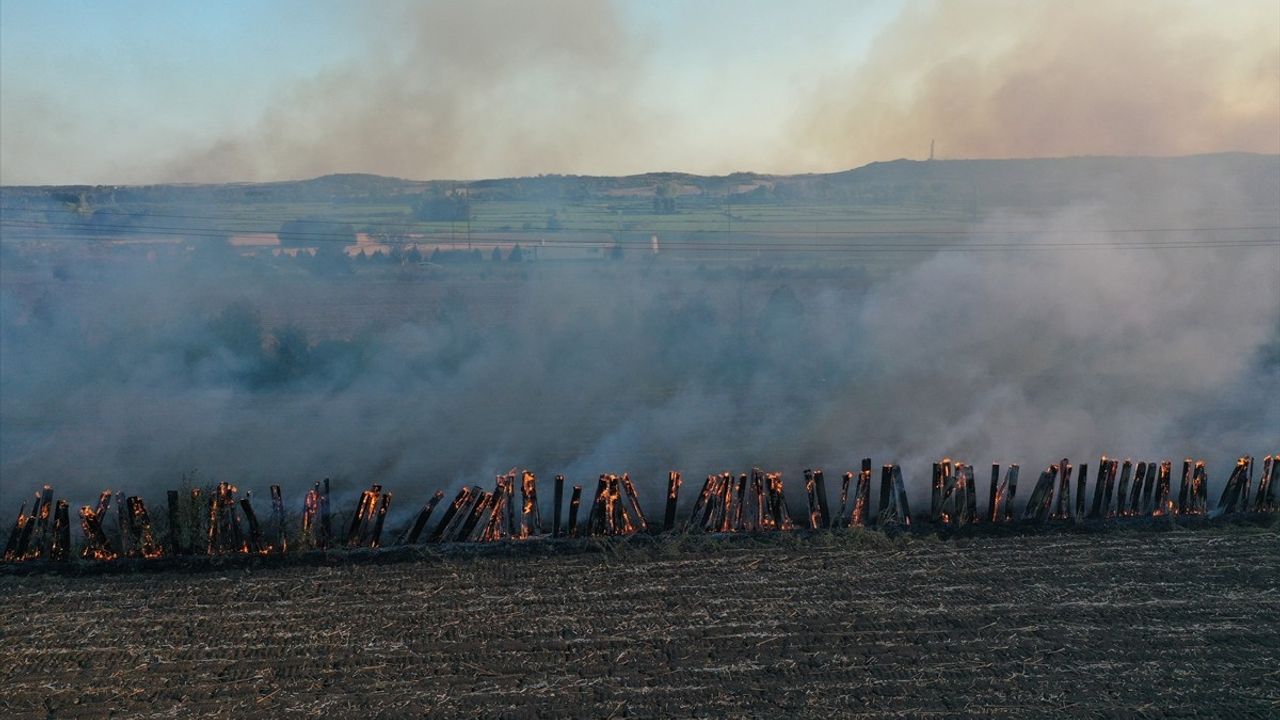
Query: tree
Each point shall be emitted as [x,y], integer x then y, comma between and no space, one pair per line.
[330,259]
[207,251]
[289,357]
[516,254]
[496,255]
[238,328]
[664,198]
[438,205]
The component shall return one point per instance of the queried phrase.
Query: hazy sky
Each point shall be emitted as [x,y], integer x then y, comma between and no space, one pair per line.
[133,92]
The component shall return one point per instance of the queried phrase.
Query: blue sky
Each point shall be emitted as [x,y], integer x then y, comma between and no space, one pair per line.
[132,92]
[97,90]
[111,79]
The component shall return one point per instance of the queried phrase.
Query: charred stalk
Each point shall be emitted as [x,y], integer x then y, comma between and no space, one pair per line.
[326,521]
[281,544]
[886,491]
[455,515]
[810,489]
[1040,502]
[255,530]
[1099,489]
[558,498]
[993,509]
[40,547]
[530,513]
[486,502]
[574,502]
[122,526]
[11,547]
[60,549]
[1265,500]
[1122,490]
[740,504]
[862,496]
[641,523]
[96,544]
[175,525]
[935,497]
[140,527]
[1062,510]
[900,490]
[1109,491]
[1148,490]
[841,519]
[1162,502]
[381,520]
[1011,479]
[420,522]
[673,497]
[970,495]
[820,486]
[699,506]
[1184,487]
[1082,483]
[1135,497]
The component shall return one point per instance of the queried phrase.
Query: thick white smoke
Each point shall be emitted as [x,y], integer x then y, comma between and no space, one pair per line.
[123,379]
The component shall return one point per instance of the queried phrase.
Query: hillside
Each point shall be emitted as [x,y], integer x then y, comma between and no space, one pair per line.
[1255,179]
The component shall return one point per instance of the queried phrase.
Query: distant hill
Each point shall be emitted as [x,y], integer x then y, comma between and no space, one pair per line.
[1254,179]
[1054,181]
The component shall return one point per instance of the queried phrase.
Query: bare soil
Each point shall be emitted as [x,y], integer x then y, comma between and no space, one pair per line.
[1119,624]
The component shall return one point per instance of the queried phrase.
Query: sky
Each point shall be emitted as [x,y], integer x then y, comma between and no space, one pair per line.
[144,92]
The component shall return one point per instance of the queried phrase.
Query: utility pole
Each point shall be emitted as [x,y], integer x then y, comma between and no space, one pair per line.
[728,209]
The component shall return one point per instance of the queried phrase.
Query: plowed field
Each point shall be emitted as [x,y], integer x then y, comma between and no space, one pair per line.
[1147,624]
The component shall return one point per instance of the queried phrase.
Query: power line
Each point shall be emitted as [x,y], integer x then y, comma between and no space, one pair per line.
[648,228]
[111,234]
[92,230]
[785,248]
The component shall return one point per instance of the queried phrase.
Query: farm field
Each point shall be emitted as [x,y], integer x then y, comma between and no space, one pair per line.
[1119,624]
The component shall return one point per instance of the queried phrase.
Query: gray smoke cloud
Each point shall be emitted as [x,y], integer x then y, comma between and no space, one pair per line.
[449,90]
[1004,78]
[122,376]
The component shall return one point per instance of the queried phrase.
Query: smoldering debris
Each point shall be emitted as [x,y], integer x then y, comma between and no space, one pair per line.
[728,503]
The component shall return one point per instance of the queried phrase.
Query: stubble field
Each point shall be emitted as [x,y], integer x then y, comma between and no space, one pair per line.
[1122,624]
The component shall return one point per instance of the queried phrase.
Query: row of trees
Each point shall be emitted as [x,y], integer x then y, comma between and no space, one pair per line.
[399,255]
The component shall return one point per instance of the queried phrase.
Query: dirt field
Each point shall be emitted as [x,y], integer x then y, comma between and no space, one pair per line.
[1125,624]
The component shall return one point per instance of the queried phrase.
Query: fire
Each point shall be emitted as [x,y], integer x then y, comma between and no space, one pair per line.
[226,523]
[954,493]
[366,525]
[96,545]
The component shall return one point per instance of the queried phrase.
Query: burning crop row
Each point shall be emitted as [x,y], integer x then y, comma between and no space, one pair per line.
[219,521]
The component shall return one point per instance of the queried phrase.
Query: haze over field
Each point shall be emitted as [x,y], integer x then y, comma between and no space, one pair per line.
[1033,308]
[143,92]
[1054,341]
[509,336]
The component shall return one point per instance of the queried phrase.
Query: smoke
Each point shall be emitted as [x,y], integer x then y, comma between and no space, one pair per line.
[1000,78]
[465,90]
[449,90]
[499,88]
[127,375]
